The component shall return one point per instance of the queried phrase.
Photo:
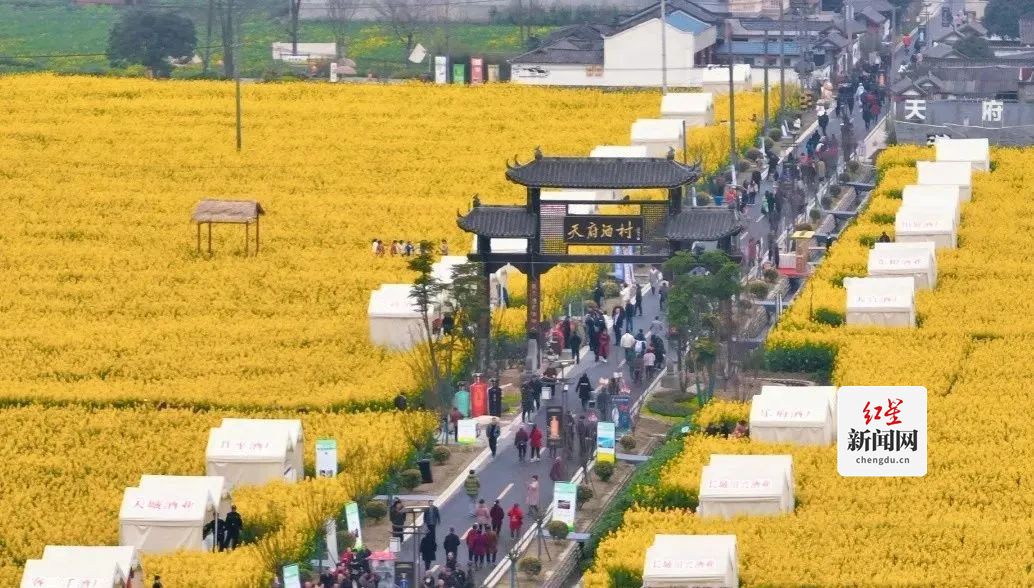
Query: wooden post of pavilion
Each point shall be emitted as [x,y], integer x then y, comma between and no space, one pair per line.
[238,212]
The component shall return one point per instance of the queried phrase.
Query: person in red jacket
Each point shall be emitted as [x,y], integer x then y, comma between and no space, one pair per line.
[536,442]
[603,345]
[471,539]
[516,519]
[497,515]
[480,548]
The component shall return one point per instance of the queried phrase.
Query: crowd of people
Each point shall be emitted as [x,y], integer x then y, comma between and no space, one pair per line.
[404,248]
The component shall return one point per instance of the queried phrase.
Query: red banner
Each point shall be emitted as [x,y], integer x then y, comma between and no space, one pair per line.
[477,70]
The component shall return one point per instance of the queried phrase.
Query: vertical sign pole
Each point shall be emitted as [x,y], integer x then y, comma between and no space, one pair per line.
[764,129]
[664,47]
[782,59]
[732,102]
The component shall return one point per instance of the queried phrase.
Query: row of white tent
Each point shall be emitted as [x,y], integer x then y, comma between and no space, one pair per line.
[393,318]
[163,514]
[927,220]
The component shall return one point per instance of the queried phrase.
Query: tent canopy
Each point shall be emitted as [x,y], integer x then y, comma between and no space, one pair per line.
[827,392]
[76,557]
[41,573]
[932,173]
[696,560]
[924,223]
[739,480]
[214,486]
[394,301]
[657,130]
[248,445]
[687,103]
[946,197]
[166,507]
[293,426]
[975,151]
[883,294]
[916,259]
[619,151]
[441,270]
[796,410]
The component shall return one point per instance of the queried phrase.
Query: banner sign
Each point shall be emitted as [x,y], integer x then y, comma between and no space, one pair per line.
[459,73]
[477,68]
[333,71]
[565,502]
[603,230]
[352,522]
[622,413]
[331,528]
[554,423]
[441,69]
[467,431]
[493,73]
[291,579]
[326,458]
[605,442]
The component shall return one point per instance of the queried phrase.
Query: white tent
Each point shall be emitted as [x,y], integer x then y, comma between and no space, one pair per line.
[39,573]
[216,487]
[715,78]
[827,392]
[884,302]
[976,152]
[158,520]
[394,319]
[692,560]
[696,108]
[590,197]
[946,197]
[441,270]
[658,135]
[294,430]
[916,259]
[733,485]
[947,173]
[925,223]
[792,415]
[619,151]
[249,457]
[501,245]
[76,557]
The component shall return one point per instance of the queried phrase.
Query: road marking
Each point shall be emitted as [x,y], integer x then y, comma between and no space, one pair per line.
[505,490]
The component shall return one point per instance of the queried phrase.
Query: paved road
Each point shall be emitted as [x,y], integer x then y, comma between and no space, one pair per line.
[506,479]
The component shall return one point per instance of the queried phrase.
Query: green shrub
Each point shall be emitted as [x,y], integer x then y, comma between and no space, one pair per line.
[611,290]
[703,199]
[814,215]
[771,275]
[769,143]
[804,227]
[758,289]
[622,578]
[883,218]
[376,510]
[530,566]
[808,358]
[775,134]
[558,529]
[742,165]
[409,479]
[754,153]
[895,193]
[844,178]
[826,202]
[440,454]
[835,191]
[828,316]
[867,240]
[668,408]
[853,166]
[604,470]
[585,494]
[627,442]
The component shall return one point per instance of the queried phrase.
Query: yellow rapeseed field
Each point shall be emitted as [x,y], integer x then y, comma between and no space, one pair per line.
[967,522]
[65,469]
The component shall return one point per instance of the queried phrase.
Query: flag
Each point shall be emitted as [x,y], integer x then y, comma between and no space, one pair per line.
[418,54]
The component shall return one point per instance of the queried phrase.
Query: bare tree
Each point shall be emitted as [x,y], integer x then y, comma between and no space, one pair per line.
[403,16]
[341,13]
[296,8]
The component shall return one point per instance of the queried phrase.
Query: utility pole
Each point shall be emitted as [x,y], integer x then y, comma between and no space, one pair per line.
[732,102]
[208,37]
[782,59]
[764,129]
[664,47]
[850,48]
[236,72]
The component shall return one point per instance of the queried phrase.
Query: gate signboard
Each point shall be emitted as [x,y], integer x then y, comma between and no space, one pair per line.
[603,230]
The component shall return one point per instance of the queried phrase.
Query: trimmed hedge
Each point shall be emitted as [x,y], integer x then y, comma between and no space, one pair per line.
[809,358]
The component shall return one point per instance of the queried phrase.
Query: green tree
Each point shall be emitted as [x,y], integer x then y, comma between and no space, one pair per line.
[469,294]
[974,47]
[426,292]
[1002,17]
[700,311]
[150,39]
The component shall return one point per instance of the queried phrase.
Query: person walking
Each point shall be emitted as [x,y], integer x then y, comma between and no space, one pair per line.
[480,547]
[454,419]
[536,442]
[630,310]
[575,343]
[556,472]
[157,582]
[516,516]
[823,120]
[617,318]
[432,518]
[531,496]
[527,401]
[481,514]
[397,516]
[597,294]
[492,434]
[627,345]
[234,523]
[451,544]
[471,538]
[520,440]
[472,486]
[428,550]
[584,388]
[603,346]
[664,293]
[497,515]
[491,545]
[655,279]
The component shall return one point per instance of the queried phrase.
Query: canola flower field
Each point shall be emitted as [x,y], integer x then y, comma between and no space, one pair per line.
[121,346]
[965,523]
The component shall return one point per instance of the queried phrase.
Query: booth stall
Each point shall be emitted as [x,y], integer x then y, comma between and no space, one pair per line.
[394,319]
[216,487]
[691,560]
[946,197]
[39,573]
[733,485]
[827,392]
[658,135]
[165,520]
[77,557]
[976,152]
[947,173]
[918,260]
[696,108]
[792,415]
[293,428]
[915,223]
[882,302]
[249,457]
